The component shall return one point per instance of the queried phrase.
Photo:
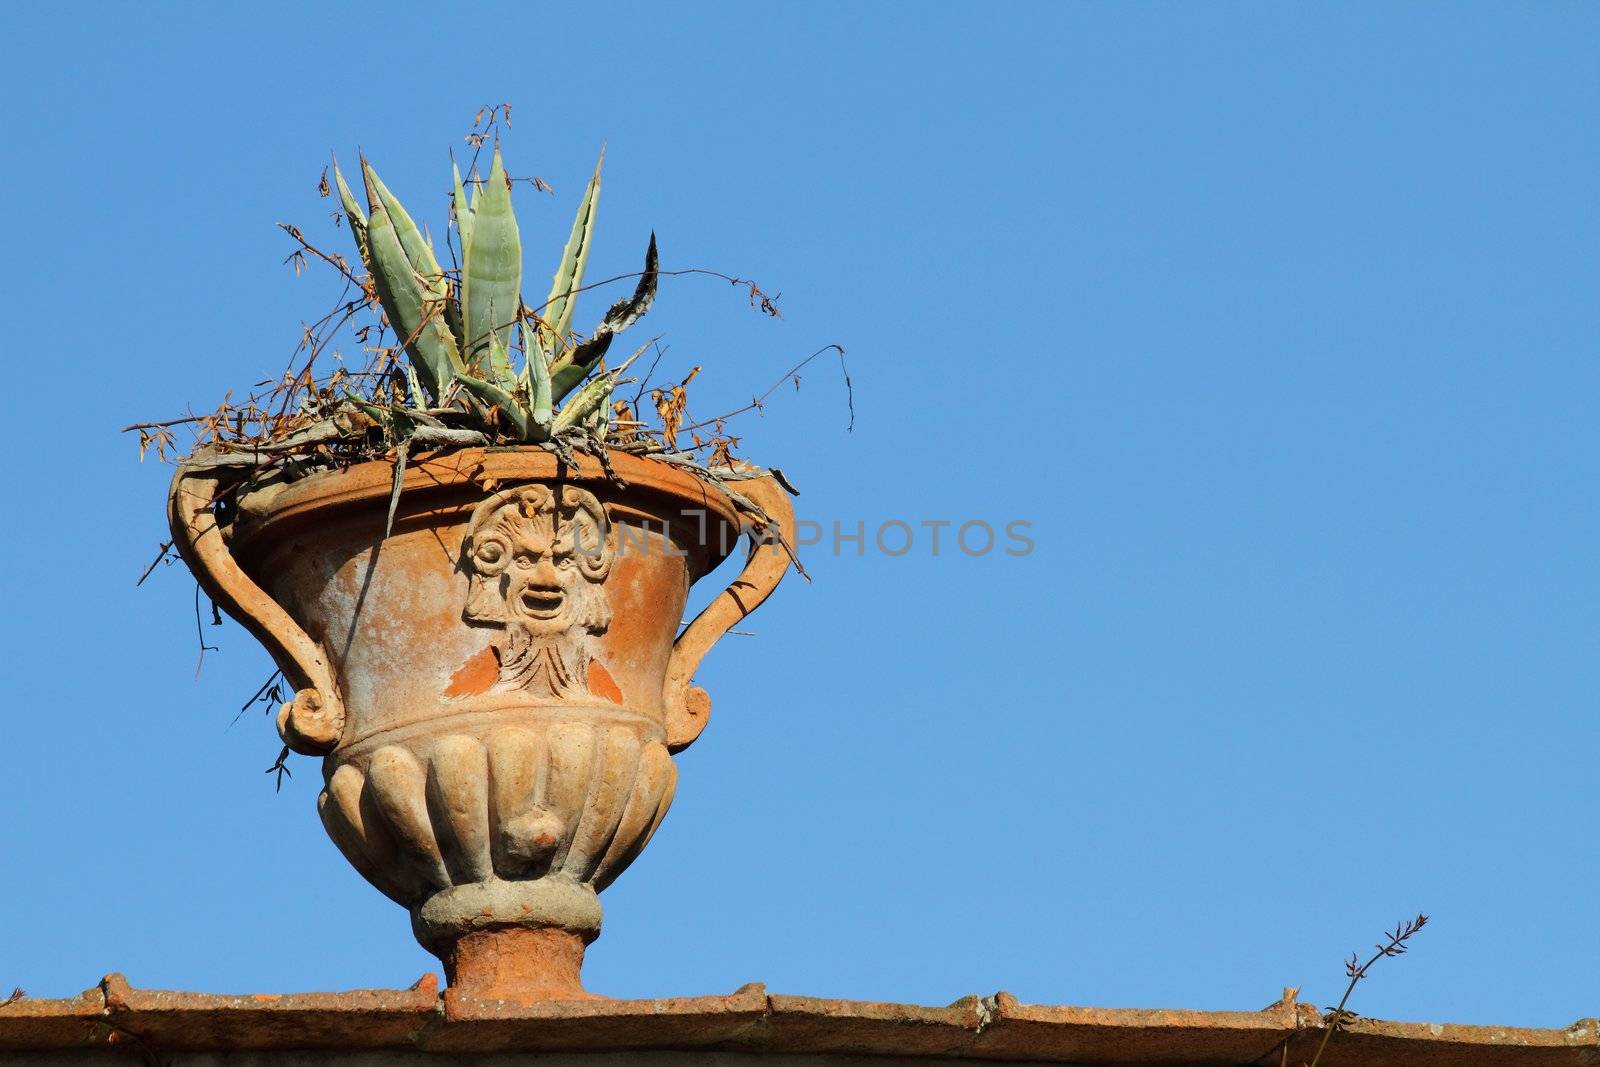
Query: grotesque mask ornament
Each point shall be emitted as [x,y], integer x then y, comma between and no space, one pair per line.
[536,557]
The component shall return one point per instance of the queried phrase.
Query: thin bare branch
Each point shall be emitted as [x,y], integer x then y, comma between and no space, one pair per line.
[1394,944]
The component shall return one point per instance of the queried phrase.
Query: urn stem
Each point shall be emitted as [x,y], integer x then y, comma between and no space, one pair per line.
[517,964]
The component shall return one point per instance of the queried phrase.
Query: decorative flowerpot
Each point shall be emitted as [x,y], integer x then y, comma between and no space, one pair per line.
[496,684]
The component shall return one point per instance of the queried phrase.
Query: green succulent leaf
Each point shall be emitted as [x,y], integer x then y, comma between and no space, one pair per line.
[417,249]
[558,308]
[573,366]
[536,376]
[494,397]
[596,392]
[463,211]
[491,269]
[415,305]
[599,417]
[500,371]
[419,252]
[353,215]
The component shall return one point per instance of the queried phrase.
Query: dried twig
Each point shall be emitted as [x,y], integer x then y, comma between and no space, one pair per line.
[166,547]
[270,694]
[759,299]
[281,766]
[792,374]
[1394,944]
[337,262]
[200,632]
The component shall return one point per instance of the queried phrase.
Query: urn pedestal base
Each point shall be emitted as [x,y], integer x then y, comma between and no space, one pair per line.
[517,964]
[514,941]
[493,904]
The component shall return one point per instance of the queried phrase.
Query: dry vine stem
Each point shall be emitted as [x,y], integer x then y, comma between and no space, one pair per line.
[1394,944]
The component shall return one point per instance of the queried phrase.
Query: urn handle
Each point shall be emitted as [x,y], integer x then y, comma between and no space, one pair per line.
[688,706]
[314,720]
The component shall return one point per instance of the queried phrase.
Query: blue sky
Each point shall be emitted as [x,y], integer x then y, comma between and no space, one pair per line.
[1276,322]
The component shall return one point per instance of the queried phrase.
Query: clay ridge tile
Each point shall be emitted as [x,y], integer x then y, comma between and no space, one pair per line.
[473,1025]
[27,1023]
[819,1025]
[1013,1030]
[357,1019]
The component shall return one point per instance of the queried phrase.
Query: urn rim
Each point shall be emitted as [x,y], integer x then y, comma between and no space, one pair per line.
[276,507]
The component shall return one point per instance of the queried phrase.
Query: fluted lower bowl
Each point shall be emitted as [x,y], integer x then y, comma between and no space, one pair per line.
[518,816]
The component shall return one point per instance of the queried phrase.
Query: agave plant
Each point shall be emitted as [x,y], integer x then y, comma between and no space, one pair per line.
[460,327]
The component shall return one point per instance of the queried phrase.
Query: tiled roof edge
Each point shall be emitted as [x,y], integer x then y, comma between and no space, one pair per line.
[997,1027]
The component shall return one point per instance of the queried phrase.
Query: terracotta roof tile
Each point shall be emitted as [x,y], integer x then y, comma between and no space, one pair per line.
[358,1019]
[867,1027]
[472,1025]
[1018,1031]
[53,1024]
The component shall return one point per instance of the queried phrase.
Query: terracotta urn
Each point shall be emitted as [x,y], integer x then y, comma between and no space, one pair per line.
[496,685]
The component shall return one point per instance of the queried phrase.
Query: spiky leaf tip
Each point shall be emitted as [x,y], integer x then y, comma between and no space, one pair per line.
[491,269]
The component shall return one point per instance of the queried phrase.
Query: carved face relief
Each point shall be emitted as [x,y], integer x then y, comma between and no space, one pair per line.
[536,557]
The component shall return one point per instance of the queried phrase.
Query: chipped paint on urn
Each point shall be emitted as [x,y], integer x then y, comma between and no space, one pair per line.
[498,684]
